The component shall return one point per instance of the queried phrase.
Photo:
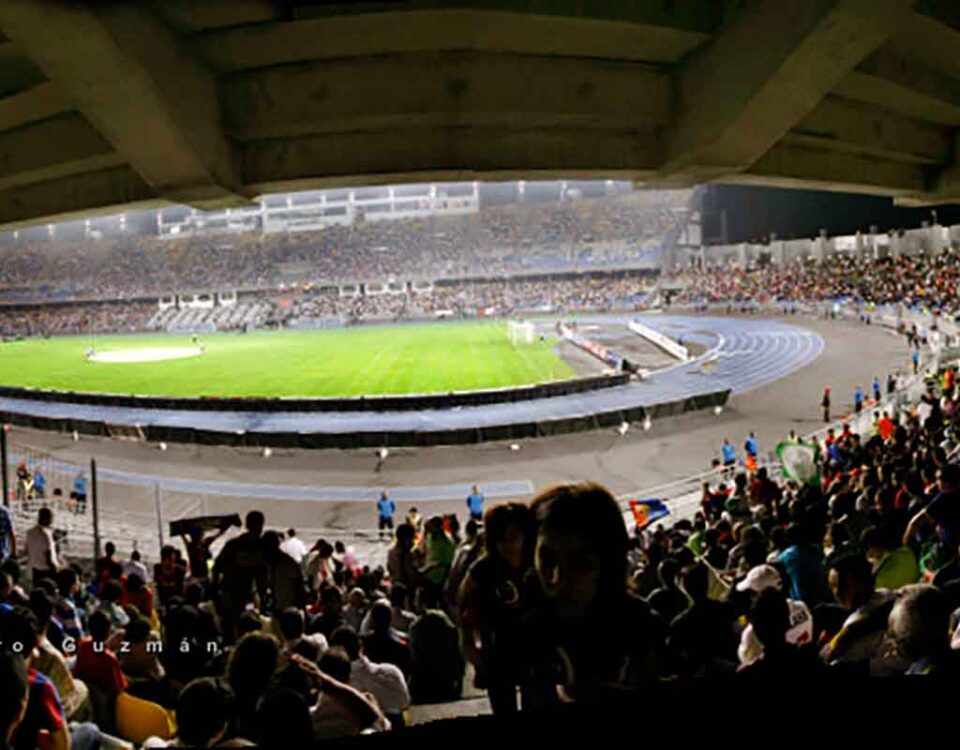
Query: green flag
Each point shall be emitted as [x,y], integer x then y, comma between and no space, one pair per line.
[800,461]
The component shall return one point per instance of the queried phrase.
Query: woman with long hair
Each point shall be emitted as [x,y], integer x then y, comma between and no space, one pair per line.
[588,634]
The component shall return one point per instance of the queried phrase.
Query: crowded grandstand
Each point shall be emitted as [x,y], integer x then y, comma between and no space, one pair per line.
[838,557]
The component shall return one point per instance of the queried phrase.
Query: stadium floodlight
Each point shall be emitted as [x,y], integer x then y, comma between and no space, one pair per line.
[267,452]
[514,446]
[718,410]
[163,446]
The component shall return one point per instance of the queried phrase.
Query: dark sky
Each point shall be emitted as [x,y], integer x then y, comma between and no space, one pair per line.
[752,213]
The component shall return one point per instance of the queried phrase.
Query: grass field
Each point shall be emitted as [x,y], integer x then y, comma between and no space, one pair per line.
[349,362]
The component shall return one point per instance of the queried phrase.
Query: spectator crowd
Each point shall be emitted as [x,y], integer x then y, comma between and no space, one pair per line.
[854,571]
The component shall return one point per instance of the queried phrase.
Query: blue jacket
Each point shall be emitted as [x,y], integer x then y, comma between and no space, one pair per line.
[385,507]
[729,453]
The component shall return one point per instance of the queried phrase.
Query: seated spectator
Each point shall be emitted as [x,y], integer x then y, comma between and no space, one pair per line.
[310,646]
[283,719]
[74,695]
[668,600]
[893,566]
[111,594]
[919,628]
[137,594]
[385,682]
[701,640]
[15,687]
[99,668]
[68,585]
[402,618]
[860,638]
[331,617]
[204,710]
[438,662]
[108,567]
[356,609]
[804,563]
[253,663]
[758,580]
[780,660]
[382,645]
[140,662]
[169,575]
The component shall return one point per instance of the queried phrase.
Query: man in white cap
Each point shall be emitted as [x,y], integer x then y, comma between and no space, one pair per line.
[801,620]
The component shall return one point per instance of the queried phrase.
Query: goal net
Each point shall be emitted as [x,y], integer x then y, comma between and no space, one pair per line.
[520,333]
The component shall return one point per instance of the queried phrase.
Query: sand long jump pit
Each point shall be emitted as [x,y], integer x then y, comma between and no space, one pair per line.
[151,354]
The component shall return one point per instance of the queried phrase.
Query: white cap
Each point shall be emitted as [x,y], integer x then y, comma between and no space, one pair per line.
[761,578]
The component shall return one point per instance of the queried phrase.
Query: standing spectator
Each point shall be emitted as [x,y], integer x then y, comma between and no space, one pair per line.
[293,546]
[240,568]
[198,550]
[136,593]
[385,510]
[825,404]
[877,392]
[168,575]
[891,384]
[134,566]
[107,567]
[858,400]
[492,606]
[475,501]
[41,549]
[39,483]
[438,550]
[915,359]
[8,538]
[284,576]
[401,559]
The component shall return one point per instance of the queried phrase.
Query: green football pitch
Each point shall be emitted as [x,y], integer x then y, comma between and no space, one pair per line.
[371,360]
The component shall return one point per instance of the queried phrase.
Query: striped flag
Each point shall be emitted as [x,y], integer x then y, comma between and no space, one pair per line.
[646,512]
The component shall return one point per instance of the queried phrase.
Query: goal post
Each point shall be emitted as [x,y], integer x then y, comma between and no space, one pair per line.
[521,333]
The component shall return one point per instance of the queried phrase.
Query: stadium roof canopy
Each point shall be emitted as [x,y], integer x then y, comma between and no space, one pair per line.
[213,103]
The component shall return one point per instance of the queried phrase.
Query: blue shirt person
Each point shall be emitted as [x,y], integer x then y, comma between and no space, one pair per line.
[750,446]
[385,511]
[475,503]
[39,483]
[729,453]
[858,399]
[877,391]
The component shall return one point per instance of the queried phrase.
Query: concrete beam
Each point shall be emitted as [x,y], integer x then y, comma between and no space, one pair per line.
[444,89]
[155,105]
[802,167]
[75,197]
[190,17]
[54,148]
[250,47]
[898,97]
[845,125]
[39,103]
[450,153]
[770,68]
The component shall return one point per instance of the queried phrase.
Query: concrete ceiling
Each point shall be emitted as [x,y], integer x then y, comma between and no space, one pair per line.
[213,103]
